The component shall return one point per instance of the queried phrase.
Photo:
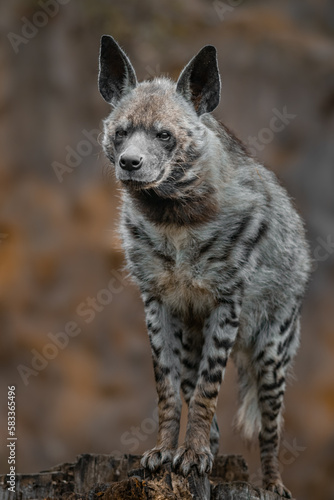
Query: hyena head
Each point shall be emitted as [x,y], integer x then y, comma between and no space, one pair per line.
[154,135]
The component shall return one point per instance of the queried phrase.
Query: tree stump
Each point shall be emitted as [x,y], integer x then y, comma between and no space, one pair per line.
[105,477]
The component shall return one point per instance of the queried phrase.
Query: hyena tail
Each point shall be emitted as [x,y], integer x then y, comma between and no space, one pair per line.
[248,419]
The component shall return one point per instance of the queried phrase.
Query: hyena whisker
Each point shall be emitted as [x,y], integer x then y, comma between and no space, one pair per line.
[101,134]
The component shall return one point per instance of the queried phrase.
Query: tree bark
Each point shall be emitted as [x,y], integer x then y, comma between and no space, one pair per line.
[105,477]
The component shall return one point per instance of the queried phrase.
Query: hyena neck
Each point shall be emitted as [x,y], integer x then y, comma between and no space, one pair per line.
[199,206]
[191,194]
[187,203]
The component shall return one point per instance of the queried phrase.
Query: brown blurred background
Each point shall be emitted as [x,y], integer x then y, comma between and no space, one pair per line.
[58,245]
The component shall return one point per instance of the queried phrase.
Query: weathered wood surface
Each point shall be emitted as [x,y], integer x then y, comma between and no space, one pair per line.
[104,477]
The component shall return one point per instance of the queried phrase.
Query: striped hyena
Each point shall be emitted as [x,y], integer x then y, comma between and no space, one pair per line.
[217,250]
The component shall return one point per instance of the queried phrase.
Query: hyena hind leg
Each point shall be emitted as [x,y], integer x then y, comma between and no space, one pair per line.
[272,366]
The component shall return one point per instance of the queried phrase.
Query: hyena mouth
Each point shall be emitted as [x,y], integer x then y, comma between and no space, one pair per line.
[136,185]
[143,185]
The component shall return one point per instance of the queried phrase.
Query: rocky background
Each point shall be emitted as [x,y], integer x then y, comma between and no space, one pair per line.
[78,353]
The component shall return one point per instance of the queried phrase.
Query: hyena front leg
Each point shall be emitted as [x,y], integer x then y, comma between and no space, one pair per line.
[191,356]
[163,333]
[272,364]
[220,330]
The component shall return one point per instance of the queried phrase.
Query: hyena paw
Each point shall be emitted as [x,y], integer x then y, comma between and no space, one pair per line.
[153,459]
[187,457]
[276,486]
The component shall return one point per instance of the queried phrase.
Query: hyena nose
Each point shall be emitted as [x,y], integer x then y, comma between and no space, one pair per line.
[130,162]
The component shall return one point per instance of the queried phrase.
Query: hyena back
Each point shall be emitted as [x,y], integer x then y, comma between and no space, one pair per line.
[217,250]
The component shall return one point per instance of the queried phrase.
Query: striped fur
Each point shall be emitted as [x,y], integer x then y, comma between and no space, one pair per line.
[218,252]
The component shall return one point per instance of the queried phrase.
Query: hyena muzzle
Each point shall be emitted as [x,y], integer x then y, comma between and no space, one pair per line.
[217,250]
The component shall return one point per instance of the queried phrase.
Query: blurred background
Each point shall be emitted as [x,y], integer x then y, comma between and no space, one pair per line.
[93,390]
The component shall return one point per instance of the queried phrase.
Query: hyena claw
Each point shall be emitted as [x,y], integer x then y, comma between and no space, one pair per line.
[276,486]
[153,459]
[187,457]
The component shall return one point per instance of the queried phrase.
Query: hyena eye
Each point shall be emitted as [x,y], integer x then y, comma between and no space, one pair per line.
[164,135]
[120,134]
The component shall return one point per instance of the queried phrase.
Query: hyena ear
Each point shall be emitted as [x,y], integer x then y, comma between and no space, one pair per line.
[116,75]
[199,82]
